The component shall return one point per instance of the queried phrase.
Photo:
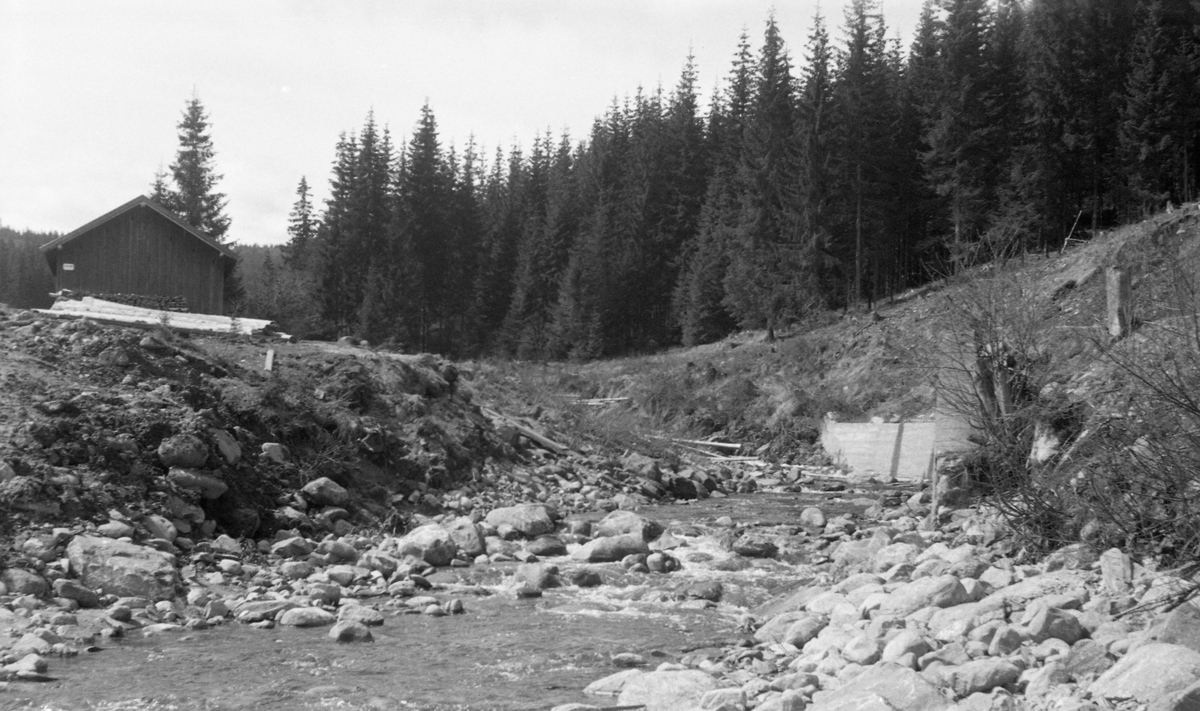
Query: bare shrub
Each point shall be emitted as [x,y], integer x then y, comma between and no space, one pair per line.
[991,369]
[1144,482]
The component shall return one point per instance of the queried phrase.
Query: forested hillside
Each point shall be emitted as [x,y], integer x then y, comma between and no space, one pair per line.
[25,279]
[824,173]
[817,177]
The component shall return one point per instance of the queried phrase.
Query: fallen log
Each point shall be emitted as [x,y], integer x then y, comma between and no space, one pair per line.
[529,433]
[733,446]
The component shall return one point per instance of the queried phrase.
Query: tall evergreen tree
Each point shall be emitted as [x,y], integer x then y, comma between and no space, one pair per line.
[700,297]
[1076,76]
[957,128]
[501,208]
[194,196]
[334,270]
[771,275]
[424,196]
[814,129]
[553,212]
[302,229]
[1159,115]
[865,122]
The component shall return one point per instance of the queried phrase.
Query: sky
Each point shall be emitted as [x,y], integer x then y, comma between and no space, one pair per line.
[91,92]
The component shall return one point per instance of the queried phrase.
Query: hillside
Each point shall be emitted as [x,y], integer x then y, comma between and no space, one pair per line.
[88,405]
[887,363]
[156,485]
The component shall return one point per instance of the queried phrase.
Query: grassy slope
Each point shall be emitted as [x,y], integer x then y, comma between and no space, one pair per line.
[857,365]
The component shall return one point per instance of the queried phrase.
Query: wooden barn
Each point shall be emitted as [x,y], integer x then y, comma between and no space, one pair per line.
[144,249]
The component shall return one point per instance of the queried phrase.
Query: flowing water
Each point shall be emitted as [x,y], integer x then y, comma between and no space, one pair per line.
[504,653]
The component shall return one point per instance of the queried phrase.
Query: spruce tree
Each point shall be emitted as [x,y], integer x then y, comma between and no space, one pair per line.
[771,276]
[194,196]
[957,130]
[501,211]
[814,137]
[302,229]
[700,302]
[424,196]
[333,266]
[160,189]
[865,111]
[1076,76]
[1158,116]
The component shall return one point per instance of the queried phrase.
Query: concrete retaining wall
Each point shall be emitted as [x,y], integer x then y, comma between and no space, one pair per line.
[903,450]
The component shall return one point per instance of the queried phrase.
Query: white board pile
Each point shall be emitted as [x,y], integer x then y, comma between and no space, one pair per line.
[112,313]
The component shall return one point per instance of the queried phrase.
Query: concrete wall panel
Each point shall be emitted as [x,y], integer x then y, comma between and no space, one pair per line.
[901,449]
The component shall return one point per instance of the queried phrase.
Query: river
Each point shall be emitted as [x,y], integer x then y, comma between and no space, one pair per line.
[504,653]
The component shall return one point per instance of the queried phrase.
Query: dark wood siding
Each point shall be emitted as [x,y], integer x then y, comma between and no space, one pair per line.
[141,252]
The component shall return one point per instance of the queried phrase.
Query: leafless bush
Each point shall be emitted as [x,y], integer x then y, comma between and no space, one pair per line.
[992,366]
[1144,482]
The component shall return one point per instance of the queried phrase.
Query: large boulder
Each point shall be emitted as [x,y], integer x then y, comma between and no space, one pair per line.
[72,590]
[431,543]
[979,675]
[612,684]
[939,591]
[1059,582]
[667,690]
[229,448]
[324,491]
[466,536]
[775,629]
[804,630]
[755,545]
[1053,623]
[23,582]
[307,617]
[611,548]
[951,623]
[907,642]
[294,547]
[620,522]
[899,687]
[1148,673]
[537,576]
[1180,626]
[208,486]
[346,631]
[118,568]
[530,520]
[185,450]
[261,610]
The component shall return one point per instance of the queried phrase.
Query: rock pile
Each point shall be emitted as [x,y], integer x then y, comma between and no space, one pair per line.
[913,620]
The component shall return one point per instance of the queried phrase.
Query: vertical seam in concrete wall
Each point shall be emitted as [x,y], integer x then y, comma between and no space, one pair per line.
[894,469]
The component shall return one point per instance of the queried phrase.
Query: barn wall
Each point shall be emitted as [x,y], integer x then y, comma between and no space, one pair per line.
[142,252]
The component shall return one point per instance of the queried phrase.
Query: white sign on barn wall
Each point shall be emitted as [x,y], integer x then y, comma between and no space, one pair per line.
[68,267]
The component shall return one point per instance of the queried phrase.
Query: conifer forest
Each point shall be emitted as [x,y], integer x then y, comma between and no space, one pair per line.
[828,172]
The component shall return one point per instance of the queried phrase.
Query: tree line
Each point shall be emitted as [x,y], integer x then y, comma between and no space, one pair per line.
[827,181]
[823,178]
[25,279]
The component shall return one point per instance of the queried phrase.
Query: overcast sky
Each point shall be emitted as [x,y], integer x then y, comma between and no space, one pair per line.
[90,92]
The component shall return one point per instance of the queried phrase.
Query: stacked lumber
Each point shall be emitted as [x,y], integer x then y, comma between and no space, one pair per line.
[161,303]
[115,314]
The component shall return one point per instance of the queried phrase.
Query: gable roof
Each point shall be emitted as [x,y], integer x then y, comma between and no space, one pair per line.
[142,201]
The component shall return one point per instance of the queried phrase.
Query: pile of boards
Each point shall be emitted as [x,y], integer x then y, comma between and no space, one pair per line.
[115,314]
[162,303]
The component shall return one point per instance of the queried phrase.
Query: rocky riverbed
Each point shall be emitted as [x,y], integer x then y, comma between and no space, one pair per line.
[728,604]
[179,529]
